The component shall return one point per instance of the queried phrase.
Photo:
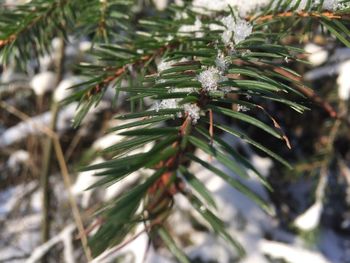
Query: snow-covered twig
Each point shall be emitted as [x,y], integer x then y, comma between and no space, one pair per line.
[290,253]
[64,236]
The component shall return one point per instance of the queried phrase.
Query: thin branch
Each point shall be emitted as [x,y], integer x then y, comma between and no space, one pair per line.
[15,35]
[117,72]
[64,172]
[327,14]
[47,155]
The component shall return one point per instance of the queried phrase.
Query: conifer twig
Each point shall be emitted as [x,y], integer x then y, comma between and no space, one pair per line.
[10,39]
[327,14]
[47,151]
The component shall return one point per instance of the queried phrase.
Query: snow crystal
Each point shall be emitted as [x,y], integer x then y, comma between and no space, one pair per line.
[226,37]
[344,81]
[311,218]
[165,104]
[228,22]
[163,65]
[331,4]
[242,29]
[209,78]
[301,5]
[242,108]
[43,82]
[193,111]
[221,62]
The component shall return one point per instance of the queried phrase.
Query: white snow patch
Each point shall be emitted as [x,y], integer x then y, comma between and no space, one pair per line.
[310,219]
[85,46]
[344,81]
[85,180]
[62,91]
[331,5]
[290,253]
[10,197]
[262,164]
[184,30]
[242,7]
[17,158]
[35,125]
[317,55]
[106,141]
[40,251]
[119,187]
[43,82]
[137,248]
[160,4]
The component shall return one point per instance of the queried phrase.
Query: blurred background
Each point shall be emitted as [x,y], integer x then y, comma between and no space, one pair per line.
[311,202]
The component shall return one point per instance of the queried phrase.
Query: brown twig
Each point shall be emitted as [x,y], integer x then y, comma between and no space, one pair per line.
[64,172]
[211,126]
[327,14]
[14,36]
[306,91]
[47,152]
[309,93]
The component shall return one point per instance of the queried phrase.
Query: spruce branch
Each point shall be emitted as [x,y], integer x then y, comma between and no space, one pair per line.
[303,14]
[198,70]
[40,13]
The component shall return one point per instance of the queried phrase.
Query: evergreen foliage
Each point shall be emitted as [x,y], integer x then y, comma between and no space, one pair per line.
[201,70]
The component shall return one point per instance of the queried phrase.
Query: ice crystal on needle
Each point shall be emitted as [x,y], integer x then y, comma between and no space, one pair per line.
[228,22]
[242,29]
[209,79]
[165,104]
[193,111]
[226,37]
[163,65]
[221,62]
